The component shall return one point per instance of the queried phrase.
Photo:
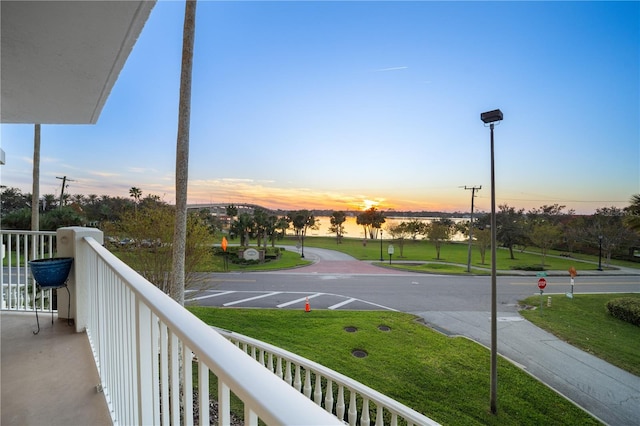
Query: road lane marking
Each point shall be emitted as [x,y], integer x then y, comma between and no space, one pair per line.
[338,305]
[380,306]
[210,295]
[252,298]
[302,299]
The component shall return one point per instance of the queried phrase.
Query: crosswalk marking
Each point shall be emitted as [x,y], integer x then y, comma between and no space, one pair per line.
[252,298]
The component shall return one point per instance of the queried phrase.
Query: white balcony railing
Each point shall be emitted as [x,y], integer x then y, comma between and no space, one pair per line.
[18,287]
[320,384]
[153,356]
[144,343]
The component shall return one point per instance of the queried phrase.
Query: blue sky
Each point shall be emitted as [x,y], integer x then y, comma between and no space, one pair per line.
[344,105]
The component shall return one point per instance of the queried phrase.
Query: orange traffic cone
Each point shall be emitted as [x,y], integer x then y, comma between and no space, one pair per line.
[307,307]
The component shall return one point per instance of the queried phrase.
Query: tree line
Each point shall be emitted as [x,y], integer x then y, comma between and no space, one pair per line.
[613,230]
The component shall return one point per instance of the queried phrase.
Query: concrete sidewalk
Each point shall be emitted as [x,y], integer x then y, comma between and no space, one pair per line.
[607,392]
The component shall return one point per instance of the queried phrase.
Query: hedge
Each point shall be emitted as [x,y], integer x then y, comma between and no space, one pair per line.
[626,309]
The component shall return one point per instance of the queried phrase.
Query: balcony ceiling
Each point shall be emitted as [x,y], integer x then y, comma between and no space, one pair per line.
[60,59]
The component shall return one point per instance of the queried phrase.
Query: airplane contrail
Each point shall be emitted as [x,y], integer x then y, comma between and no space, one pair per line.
[391,69]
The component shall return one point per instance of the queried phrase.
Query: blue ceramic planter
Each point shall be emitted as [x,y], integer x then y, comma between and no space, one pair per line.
[51,272]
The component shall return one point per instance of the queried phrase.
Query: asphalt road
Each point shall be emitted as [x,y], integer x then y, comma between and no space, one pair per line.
[337,278]
[406,293]
[455,306]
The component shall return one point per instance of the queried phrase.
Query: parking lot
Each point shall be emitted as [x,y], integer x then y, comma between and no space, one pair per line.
[278,300]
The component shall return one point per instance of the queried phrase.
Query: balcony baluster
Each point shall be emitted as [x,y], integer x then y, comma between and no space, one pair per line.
[317,394]
[143,344]
[364,418]
[307,383]
[353,409]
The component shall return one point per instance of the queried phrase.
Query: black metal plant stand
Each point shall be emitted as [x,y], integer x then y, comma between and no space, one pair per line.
[68,307]
[51,274]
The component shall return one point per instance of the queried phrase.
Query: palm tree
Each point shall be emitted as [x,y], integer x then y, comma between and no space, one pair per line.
[632,220]
[176,290]
[79,199]
[337,219]
[49,201]
[136,193]
[244,227]
[35,191]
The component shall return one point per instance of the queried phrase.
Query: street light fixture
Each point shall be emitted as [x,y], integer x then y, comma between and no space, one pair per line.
[490,118]
[381,258]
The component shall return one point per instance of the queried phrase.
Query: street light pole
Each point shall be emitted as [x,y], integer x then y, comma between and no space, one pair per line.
[490,118]
[473,195]
[600,253]
[381,258]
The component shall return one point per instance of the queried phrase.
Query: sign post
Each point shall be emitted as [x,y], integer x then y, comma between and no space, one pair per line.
[390,252]
[224,248]
[542,283]
[572,273]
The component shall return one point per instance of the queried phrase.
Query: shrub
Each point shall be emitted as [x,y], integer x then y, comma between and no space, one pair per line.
[271,253]
[625,308]
[149,235]
[528,267]
[231,251]
[238,261]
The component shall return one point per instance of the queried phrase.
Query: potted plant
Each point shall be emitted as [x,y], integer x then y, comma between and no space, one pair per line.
[52,272]
[49,274]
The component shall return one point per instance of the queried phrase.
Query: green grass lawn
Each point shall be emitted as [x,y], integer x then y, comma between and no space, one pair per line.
[452,252]
[435,268]
[585,323]
[453,258]
[288,259]
[447,379]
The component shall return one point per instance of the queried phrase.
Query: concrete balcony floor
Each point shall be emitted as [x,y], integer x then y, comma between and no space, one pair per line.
[49,378]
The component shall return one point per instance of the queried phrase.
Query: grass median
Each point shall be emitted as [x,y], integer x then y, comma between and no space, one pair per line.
[420,256]
[417,256]
[456,253]
[585,323]
[447,379]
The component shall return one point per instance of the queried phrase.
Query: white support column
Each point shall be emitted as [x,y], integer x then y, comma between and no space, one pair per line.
[70,244]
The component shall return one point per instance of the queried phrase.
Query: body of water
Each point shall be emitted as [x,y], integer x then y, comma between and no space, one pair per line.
[353,230]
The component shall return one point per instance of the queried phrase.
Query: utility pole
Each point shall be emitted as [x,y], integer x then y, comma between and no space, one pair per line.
[473,195]
[64,184]
[35,196]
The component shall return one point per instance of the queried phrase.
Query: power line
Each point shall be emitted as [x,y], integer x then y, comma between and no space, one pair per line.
[557,201]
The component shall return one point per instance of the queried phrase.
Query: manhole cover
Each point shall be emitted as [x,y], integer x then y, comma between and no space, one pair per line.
[359,353]
[384,328]
[350,329]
